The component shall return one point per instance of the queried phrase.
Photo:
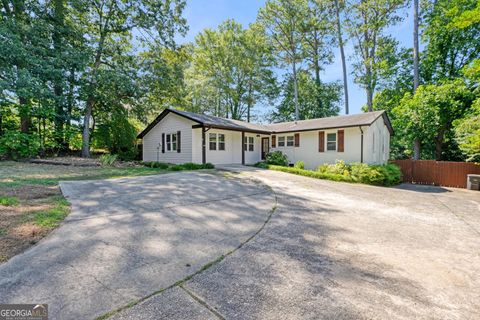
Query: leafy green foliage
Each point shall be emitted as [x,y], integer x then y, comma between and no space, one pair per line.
[277,158]
[15,145]
[467,132]
[299,164]
[108,159]
[316,100]
[428,116]
[382,175]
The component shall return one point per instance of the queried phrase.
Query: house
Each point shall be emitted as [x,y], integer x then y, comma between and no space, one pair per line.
[178,136]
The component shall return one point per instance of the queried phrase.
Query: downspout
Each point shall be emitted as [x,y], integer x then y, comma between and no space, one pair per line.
[361,144]
[204,151]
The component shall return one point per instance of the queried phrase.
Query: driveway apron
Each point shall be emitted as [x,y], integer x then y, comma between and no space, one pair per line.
[127,238]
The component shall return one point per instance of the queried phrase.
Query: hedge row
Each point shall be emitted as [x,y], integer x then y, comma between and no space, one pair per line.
[382,175]
[178,167]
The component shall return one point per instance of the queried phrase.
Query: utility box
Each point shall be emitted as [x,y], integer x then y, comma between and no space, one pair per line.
[473,182]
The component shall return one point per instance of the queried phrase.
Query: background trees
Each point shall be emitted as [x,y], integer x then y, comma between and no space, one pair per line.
[77,74]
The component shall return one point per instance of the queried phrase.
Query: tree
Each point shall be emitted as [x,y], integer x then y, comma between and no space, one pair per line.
[366,24]
[109,25]
[310,92]
[318,41]
[284,21]
[416,71]
[429,113]
[232,65]
[448,48]
[339,5]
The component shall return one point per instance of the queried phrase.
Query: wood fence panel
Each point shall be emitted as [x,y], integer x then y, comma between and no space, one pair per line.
[440,173]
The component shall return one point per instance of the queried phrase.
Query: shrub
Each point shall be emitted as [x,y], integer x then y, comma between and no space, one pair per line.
[299,164]
[261,164]
[277,158]
[17,145]
[383,175]
[108,159]
[176,167]
[154,164]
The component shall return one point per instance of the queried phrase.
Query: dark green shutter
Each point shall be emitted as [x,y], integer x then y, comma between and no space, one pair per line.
[179,139]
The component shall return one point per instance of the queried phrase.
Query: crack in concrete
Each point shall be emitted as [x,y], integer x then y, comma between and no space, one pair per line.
[202,302]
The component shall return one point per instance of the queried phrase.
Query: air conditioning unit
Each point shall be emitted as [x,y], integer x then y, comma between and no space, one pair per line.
[473,182]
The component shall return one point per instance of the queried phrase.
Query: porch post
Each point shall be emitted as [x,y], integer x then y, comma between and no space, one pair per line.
[243,148]
[204,149]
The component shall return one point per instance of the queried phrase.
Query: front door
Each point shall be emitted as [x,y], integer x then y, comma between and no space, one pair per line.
[265,147]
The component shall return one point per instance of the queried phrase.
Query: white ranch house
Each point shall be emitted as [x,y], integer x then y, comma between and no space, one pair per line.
[178,136]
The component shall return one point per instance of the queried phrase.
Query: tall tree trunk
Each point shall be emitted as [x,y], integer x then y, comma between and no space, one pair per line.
[86,128]
[24,115]
[295,89]
[439,144]
[416,73]
[91,99]
[369,88]
[59,16]
[342,55]
[70,102]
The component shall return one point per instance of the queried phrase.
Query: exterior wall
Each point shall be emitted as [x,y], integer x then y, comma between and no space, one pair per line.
[170,124]
[233,148]
[377,143]
[308,149]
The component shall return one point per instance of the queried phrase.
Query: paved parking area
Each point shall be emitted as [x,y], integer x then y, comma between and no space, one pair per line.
[127,238]
[341,251]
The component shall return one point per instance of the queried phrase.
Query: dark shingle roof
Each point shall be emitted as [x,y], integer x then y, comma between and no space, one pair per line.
[362,119]
[354,120]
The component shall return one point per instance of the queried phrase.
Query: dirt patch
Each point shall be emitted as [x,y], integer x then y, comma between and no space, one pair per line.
[17,228]
[30,192]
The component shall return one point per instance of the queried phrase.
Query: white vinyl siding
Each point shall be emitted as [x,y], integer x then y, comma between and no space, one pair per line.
[152,141]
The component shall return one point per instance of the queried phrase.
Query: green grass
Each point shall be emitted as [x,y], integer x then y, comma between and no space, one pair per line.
[52,217]
[17,174]
[9,201]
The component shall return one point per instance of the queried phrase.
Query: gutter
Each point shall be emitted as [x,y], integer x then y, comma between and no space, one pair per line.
[361,144]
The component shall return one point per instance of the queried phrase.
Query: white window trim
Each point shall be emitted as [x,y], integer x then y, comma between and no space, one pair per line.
[217,141]
[247,144]
[171,142]
[286,141]
[326,142]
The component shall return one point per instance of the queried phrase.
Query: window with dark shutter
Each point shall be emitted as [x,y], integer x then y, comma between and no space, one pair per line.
[274,141]
[163,142]
[321,141]
[340,140]
[297,139]
[179,139]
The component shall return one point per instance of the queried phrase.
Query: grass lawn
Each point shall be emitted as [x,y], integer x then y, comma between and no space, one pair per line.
[31,204]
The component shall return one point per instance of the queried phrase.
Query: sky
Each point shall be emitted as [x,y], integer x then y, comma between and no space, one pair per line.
[201,14]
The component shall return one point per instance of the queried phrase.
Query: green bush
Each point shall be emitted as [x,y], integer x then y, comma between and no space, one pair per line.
[382,175]
[15,145]
[299,164]
[154,164]
[277,158]
[108,159]
[261,164]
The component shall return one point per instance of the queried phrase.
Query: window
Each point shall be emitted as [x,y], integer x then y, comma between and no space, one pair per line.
[290,141]
[212,138]
[281,141]
[331,141]
[171,141]
[216,141]
[248,143]
[221,142]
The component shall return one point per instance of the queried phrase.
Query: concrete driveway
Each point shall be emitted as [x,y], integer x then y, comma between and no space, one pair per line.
[341,251]
[128,238]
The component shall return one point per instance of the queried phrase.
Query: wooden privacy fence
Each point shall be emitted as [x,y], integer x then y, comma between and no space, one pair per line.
[439,173]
